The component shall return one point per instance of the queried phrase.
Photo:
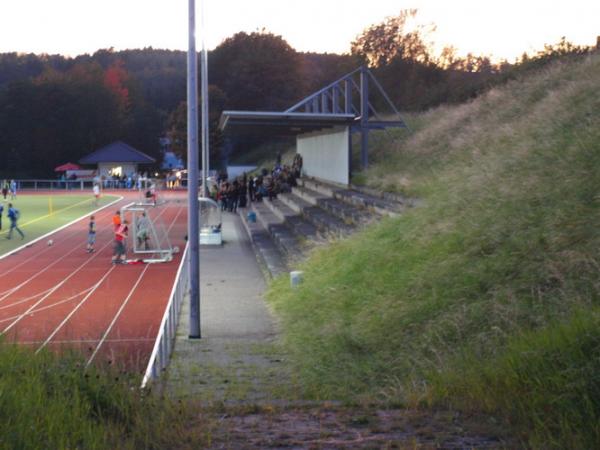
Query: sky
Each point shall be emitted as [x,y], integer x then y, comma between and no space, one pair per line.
[499,28]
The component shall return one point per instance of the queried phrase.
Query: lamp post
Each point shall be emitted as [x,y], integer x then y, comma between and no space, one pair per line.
[192,157]
[204,97]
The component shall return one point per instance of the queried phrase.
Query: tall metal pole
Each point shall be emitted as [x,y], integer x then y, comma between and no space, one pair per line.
[192,157]
[204,93]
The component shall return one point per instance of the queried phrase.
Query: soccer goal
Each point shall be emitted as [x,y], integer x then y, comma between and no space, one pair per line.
[148,239]
[150,191]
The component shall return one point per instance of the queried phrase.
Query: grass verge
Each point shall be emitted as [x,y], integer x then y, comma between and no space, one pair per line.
[50,401]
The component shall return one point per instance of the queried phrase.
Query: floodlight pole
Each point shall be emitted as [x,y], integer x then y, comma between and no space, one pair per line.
[192,157]
[204,96]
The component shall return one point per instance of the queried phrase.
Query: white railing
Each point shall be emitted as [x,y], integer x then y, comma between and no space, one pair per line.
[54,185]
[71,185]
[163,346]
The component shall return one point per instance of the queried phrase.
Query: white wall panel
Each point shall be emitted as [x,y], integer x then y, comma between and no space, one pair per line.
[325,154]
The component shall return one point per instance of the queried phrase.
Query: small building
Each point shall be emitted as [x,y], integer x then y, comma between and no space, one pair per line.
[117,159]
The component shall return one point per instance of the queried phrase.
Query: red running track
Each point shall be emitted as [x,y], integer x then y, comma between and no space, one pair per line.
[61,297]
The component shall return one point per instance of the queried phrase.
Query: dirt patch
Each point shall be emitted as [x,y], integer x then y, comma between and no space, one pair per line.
[324,427]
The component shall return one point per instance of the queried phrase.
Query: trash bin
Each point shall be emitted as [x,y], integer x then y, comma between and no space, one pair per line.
[251,217]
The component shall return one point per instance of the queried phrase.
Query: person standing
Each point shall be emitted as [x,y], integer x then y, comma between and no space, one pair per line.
[120,250]
[91,240]
[4,189]
[116,220]
[96,190]
[13,215]
[143,225]
[13,189]
[1,211]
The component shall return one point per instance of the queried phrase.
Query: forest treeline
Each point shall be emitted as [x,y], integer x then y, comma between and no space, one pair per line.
[55,109]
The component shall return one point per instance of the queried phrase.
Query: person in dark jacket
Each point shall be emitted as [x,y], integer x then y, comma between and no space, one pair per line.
[13,215]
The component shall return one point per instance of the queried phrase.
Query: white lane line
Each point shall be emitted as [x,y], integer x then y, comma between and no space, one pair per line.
[66,300]
[54,289]
[31,278]
[81,293]
[35,275]
[112,323]
[59,229]
[89,294]
[89,341]
[24,299]
[103,339]
[46,250]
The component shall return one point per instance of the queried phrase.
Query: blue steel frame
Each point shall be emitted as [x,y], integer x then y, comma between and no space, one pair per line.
[330,100]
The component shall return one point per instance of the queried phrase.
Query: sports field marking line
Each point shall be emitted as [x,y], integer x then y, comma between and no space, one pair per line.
[54,289]
[37,219]
[9,291]
[88,341]
[23,300]
[5,294]
[59,228]
[46,249]
[43,308]
[112,323]
[93,288]
[19,286]
[108,330]
[89,294]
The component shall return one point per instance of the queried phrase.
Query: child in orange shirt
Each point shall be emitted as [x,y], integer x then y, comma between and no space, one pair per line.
[116,220]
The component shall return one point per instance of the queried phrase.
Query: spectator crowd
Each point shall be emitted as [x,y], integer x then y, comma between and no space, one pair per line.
[231,195]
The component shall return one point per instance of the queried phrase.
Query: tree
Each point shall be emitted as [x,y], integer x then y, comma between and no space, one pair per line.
[257,71]
[391,39]
[177,124]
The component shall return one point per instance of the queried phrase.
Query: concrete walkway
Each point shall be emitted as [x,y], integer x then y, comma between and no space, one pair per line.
[238,358]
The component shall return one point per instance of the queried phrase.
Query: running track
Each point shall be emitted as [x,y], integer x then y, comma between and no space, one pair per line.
[61,297]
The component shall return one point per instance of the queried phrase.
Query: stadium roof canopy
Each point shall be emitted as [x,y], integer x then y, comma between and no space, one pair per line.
[280,123]
[115,153]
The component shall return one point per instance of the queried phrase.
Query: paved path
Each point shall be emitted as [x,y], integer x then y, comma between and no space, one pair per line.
[238,358]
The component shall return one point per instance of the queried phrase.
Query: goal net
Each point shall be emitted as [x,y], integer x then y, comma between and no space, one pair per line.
[148,239]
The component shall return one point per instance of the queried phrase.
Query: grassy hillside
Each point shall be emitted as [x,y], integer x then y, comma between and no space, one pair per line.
[486,297]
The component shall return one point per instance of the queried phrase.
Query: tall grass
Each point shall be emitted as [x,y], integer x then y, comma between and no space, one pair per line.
[545,383]
[505,243]
[49,401]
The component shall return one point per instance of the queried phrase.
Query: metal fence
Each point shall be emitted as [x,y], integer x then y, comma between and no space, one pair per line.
[163,346]
[72,185]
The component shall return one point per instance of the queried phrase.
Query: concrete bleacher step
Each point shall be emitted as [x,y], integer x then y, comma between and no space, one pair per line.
[295,202]
[287,227]
[325,189]
[305,232]
[351,214]
[283,237]
[327,223]
[264,246]
[308,220]
[378,204]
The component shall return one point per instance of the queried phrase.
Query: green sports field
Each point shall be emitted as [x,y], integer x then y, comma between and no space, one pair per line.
[40,214]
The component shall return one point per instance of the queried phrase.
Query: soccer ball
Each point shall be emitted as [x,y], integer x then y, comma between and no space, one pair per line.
[50,242]
[175,249]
